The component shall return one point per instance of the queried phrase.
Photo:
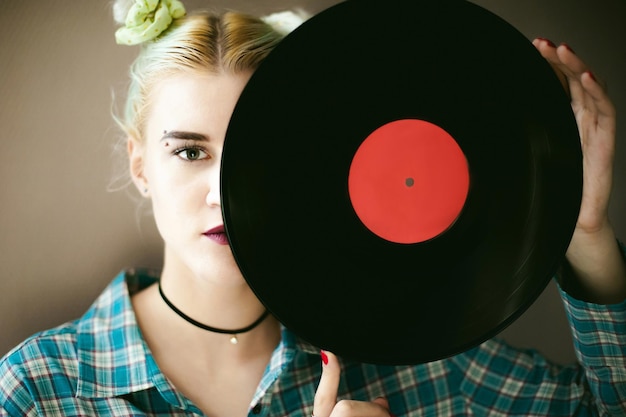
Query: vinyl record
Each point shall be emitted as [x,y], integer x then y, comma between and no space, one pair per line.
[401,179]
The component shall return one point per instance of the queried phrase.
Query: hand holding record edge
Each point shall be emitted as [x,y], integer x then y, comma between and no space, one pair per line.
[598,272]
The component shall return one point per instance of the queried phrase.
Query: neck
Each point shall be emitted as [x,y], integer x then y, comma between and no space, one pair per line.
[165,331]
[232,332]
[219,299]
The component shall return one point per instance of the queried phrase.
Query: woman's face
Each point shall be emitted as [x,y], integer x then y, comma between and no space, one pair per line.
[179,166]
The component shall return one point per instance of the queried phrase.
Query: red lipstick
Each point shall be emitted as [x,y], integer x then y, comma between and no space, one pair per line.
[217,235]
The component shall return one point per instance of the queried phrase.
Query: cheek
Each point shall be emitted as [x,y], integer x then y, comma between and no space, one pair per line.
[168,176]
[177,207]
[171,184]
[178,193]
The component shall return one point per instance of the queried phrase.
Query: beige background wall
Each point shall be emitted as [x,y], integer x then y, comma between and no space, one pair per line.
[63,236]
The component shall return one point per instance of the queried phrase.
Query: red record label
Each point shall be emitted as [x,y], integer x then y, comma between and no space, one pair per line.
[408,181]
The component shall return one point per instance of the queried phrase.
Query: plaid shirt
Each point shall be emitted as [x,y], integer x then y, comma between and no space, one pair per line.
[100,365]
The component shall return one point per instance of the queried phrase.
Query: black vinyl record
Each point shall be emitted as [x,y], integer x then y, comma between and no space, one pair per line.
[296,146]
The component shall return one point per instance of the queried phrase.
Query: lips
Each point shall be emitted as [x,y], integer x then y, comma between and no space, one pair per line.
[217,235]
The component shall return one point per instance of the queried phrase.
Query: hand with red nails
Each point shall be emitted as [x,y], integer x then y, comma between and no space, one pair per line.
[594,255]
[326,404]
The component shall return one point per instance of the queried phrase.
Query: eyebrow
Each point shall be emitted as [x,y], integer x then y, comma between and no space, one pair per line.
[177,134]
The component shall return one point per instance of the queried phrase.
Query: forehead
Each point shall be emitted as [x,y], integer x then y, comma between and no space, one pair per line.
[199,87]
[193,99]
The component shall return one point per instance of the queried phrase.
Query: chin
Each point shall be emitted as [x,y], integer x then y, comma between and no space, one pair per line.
[222,270]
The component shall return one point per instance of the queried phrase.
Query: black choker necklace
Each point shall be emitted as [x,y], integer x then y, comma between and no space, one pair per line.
[232,333]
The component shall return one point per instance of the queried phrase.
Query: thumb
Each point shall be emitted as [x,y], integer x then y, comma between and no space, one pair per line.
[326,394]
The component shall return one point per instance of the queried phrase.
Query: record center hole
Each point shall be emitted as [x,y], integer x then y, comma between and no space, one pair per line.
[409,182]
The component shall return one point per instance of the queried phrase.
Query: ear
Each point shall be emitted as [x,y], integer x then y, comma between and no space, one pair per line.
[136,160]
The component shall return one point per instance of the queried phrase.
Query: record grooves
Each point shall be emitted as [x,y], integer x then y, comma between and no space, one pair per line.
[288,208]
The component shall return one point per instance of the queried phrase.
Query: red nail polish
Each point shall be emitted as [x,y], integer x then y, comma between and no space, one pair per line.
[324,357]
[548,41]
[568,47]
[593,77]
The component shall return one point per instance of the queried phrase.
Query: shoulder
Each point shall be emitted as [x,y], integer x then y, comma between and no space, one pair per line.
[55,342]
[43,364]
[57,351]
[498,366]
[55,363]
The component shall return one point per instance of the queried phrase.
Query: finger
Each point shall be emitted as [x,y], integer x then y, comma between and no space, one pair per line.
[548,50]
[326,394]
[571,62]
[591,91]
[587,93]
[562,56]
[349,408]
[574,67]
[598,94]
[563,59]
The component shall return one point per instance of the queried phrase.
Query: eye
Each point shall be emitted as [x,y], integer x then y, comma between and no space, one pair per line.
[191,153]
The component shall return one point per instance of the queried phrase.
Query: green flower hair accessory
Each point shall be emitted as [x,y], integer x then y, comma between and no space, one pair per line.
[147,19]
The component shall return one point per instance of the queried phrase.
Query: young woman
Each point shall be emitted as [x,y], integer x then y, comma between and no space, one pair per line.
[154,344]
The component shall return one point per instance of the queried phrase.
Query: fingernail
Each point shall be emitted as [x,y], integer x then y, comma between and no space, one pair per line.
[324,357]
[568,47]
[548,41]
[593,77]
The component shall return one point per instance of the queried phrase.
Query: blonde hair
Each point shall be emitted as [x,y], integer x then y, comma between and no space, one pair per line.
[228,43]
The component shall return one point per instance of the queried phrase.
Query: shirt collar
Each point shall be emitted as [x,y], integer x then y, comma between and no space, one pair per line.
[115,360]
[283,355]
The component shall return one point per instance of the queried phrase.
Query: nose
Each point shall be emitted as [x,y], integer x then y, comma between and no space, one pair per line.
[213,193]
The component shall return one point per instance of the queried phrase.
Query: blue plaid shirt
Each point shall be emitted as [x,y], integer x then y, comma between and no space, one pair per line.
[101,365]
